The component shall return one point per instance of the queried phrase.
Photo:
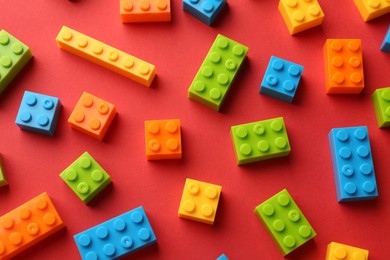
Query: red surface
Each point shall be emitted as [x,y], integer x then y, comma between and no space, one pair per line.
[33,162]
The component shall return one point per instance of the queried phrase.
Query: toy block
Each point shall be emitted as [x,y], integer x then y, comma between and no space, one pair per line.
[92,116]
[300,15]
[86,177]
[386,42]
[38,113]
[133,11]
[14,55]
[3,179]
[285,222]
[222,257]
[216,75]
[370,9]
[343,62]
[353,168]
[281,79]
[199,201]
[106,56]
[338,251]
[204,10]
[163,139]
[381,100]
[260,140]
[27,225]
[116,237]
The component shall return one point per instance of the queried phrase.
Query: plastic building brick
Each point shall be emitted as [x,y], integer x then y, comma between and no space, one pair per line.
[38,113]
[214,78]
[386,42]
[163,139]
[222,257]
[133,11]
[338,251]
[370,9]
[14,55]
[281,79]
[86,177]
[343,66]
[27,225]
[352,164]
[3,179]
[106,56]
[285,222]
[381,100]
[92,116]
[116,237]
[204,10]
[199,201]
[300,15]
[260,140]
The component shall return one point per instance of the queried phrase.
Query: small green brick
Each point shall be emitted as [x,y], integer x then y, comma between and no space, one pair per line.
[285,222]
[260,140]
[214,78]
[86,177]
[14,55]
[381,100]
[3,179]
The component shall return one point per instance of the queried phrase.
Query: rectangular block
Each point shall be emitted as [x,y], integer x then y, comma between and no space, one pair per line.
[27,225]
[92,116]
[300,15]
[14,56]
[216,75]
[372,9]
[353,169]
[106,56]
[204,10]
[3,178]
[285,222]
[199,201]
[343,62]
[134,11]
[260,140]
[338,251]
[116,237]
[86,177]
[381,101]
[281,79]
[222,257]
[386,42]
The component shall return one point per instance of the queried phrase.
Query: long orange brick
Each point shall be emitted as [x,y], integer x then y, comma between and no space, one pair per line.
[134,11]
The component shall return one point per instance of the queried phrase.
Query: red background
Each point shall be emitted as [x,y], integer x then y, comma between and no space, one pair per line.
[177,48]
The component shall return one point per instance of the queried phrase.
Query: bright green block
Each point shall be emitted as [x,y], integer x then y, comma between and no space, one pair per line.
[214,78]
[13,56]
[86,177]
[285,222]
[381,100]
[3,179]
[260,140]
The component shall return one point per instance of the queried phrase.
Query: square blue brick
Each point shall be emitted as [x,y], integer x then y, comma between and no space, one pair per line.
[353,168]
[204,10]
[222,257]
[38,113]
[281,79]
[116,237]
[386,42]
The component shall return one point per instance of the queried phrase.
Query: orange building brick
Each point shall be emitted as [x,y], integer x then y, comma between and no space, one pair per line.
[163,139]
[370,9]
[338,251]
[92,116]
[133,11]
[343,61]
[27,225]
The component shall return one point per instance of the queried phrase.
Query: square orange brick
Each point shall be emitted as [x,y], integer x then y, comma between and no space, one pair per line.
[163,139]
[134,11]
[92,116]
[338,251]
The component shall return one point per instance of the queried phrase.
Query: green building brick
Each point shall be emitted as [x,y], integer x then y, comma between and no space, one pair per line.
[13,56]
[285,222]
[86,177]
[214,78]
[381,100]
[3,179]
[260,140]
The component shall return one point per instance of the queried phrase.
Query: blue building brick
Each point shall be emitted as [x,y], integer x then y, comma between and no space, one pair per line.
[222,257]
[386,42]
[38,113]
[281,79]
[116,237]
[352,164]
[204,10]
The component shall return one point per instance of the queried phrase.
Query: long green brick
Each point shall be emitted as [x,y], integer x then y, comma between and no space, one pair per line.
[3,179]
[86,177]
[14,55]
[260,140]
[285,222]
[381,100]
[214,78]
